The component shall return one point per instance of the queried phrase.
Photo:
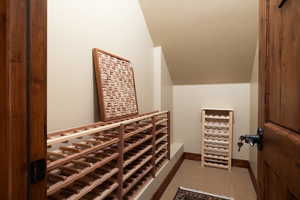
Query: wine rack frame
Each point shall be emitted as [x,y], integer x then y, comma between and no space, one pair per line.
[107,160]
[217,134]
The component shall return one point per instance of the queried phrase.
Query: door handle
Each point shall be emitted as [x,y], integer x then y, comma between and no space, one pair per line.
[282,3]
[252,139]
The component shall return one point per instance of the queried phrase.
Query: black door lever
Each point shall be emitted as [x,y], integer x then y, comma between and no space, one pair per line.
[282,3]
[252,139]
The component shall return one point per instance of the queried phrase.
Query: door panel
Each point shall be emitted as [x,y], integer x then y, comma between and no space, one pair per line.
[279,161]
[281,153]
[283,63]
[274,69]
[290,63]
[273,180]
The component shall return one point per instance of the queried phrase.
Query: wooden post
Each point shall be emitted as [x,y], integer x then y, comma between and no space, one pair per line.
[230,139]
[121,162]
[153,147]
[169,135]
[203,136]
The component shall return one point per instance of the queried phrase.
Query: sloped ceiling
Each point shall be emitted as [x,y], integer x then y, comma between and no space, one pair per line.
[205,41]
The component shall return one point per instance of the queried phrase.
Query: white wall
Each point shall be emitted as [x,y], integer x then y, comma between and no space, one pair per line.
[163,85]
[157,79]
[188,101]
[254,111]
[166,86]
[74,28]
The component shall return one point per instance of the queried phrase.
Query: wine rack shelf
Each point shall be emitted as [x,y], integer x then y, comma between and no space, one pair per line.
[107,160]
[217,132]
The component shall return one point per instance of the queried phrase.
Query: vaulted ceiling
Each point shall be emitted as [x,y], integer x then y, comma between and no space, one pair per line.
[210,41]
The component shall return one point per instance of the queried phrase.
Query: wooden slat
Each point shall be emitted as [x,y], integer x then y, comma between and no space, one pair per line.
[78,162]
[136,156]
[137,143]
[161,148]
[136,180]
[93,185]
[60,162]
[161,157]
[107,192]
[137,167]
[161,139]
[55,188]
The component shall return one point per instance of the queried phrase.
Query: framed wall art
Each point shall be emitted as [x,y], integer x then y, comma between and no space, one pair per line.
[115,86]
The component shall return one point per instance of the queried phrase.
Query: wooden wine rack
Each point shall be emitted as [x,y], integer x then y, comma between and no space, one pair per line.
[107,160]
[217,131]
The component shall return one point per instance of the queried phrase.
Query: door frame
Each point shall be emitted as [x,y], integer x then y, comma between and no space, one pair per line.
[262,112]
[23,85]
[23,103]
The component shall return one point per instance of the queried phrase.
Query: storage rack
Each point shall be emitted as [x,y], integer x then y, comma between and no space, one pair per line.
[107,160]
[217,131]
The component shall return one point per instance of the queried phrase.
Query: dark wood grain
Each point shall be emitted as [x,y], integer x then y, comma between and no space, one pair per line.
[4,107]
[279,100]
[121,162]
[23,103]
[37,88]
[13,103]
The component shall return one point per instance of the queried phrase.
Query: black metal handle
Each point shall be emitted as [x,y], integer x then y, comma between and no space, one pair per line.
[282,3]
[253,139]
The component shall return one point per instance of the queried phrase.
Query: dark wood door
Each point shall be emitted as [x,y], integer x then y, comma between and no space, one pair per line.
[23,97]
[279,161]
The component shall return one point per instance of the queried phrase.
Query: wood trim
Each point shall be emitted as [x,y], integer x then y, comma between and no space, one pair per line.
[169,135]
[37,88]
[167,180]
[263,40]
[23,89]
[241,163]
[4,106]
[192,156]
[235,162]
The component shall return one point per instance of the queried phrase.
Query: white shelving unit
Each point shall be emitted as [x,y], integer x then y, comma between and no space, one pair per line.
[217,133]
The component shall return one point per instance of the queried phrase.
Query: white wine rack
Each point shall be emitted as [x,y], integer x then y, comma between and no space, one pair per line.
[217,133]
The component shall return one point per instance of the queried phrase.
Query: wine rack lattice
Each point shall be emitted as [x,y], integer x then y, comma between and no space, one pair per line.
[107,160]
[217,131]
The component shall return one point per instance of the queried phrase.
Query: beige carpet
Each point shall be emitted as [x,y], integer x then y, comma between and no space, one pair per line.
[236,184]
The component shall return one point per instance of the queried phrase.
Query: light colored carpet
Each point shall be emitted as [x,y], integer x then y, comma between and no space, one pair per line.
[236,184]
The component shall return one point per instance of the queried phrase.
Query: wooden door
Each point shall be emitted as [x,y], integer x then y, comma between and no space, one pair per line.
[23,97]
[279,161]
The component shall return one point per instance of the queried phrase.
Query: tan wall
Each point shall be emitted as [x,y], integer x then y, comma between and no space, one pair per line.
[254,111]
[74,28]
[204,42]
[188,101]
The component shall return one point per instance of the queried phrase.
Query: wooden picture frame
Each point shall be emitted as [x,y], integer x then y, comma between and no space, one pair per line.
[109,82]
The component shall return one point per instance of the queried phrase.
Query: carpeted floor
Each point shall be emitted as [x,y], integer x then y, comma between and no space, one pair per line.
[235,184]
